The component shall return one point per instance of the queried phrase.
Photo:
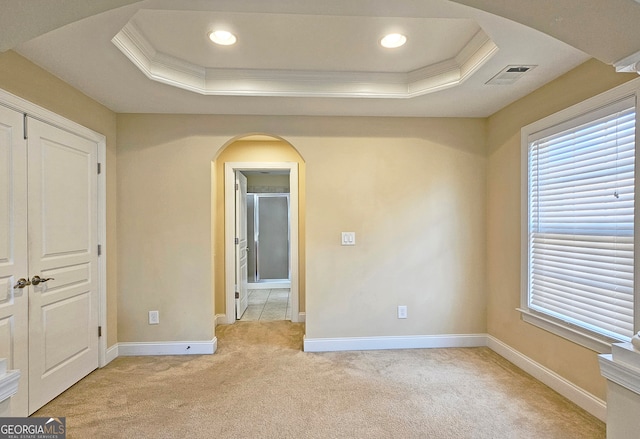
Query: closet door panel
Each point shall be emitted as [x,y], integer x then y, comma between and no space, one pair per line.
[63,311]
[13,252]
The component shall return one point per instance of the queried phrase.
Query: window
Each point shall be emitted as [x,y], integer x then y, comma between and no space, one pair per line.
[579,231]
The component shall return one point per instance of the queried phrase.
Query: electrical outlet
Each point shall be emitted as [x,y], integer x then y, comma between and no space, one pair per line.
[154,317]
[402,311]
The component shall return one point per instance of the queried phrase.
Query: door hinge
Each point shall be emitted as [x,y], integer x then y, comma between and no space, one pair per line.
[99,250]
[237,241]
[24,126]
[99,168]
[99,331]
[237,187]
[237,295]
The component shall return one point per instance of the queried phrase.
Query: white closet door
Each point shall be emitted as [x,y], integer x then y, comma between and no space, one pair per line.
[13,252]
[62,227]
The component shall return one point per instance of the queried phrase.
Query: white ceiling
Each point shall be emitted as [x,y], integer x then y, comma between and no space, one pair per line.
[331,37]
[304,42]
[608,30]
[23,20]
[340,56]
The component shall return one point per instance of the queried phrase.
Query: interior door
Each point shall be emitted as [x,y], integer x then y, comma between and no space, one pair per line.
[242,295]
[63,260]
[13,253]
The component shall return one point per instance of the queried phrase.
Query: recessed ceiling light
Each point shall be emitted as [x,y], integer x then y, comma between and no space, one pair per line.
[222,37]
[392,41]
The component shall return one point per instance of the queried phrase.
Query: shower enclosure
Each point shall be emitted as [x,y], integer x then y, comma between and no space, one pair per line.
[268,237]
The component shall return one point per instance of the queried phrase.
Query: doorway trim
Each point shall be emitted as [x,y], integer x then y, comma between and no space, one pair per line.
[229,231]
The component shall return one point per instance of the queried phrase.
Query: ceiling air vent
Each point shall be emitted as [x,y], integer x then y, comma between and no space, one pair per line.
[509,75]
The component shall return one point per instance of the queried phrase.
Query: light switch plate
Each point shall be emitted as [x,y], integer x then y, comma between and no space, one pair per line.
[348,238]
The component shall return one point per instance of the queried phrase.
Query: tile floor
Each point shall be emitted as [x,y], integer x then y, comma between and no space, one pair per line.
[273,304]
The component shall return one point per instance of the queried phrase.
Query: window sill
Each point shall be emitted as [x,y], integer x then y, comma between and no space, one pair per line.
[595,342]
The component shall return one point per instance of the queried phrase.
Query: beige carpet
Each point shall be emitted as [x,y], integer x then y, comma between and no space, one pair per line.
[260,385]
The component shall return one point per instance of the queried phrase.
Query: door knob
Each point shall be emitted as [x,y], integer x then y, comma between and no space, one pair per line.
[22,282]
[37,279]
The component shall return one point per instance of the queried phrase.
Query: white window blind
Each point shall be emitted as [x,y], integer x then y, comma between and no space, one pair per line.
[581,221]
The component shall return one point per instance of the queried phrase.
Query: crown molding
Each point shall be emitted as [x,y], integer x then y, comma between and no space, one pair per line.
[629,64]
[174,71]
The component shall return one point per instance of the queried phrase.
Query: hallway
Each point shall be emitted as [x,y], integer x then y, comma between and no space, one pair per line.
[268,305]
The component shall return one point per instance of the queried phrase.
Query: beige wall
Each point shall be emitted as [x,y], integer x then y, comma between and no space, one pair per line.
[413,190]
[22,78]
[164,232]
[416,205]
[577,364]
[257,151]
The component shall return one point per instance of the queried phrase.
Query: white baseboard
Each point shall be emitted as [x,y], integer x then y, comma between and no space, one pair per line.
[393,342]
[269,285]
[302,317]
[112,354]
[168,348]
[580,397]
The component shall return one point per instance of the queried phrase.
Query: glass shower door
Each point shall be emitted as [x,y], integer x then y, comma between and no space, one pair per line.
[272,237]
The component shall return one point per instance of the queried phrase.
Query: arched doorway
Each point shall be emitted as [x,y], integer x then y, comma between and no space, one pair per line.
[255,154]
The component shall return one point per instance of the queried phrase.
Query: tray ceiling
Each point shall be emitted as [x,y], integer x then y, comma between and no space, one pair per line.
[333,56]
[299,58]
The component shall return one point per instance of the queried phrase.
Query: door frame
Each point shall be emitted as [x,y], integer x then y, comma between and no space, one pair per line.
[229,230]
[36,112]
